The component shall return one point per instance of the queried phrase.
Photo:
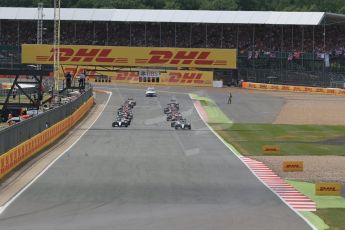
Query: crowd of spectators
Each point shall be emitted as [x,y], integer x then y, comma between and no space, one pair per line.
[251,40]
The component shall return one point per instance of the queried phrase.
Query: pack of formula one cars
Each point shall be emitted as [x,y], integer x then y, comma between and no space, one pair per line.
[175,117]
[124,114]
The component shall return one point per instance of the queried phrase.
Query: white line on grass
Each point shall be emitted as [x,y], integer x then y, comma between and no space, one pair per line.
[8,203]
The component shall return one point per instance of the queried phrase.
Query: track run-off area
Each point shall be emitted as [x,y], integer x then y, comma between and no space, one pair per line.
[149,177]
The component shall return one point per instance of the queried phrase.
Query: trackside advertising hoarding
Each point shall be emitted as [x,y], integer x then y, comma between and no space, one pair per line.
[131,56]
[166,77]
[292,88]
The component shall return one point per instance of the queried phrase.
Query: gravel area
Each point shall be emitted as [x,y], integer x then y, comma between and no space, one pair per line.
[312,109]
[316,168]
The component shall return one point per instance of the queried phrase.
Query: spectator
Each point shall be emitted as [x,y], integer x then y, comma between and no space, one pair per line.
[82,80]
[68,79]
[230,97]
[14,93]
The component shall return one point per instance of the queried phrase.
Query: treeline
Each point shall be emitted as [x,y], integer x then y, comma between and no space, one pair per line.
[335,6]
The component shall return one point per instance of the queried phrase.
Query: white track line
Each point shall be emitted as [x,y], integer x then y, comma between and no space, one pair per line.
[239,157]
[9,202]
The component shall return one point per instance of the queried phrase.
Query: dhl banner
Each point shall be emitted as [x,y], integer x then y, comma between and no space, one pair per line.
[191,78]
[270,149]
[293,166]
[17,155]
[165,77]
[131,56]
[291,88]
[328,189]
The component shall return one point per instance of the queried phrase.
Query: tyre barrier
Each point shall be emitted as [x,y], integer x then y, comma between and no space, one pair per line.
[19,154]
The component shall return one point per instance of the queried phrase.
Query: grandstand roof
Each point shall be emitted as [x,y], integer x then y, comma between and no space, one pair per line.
[175,16]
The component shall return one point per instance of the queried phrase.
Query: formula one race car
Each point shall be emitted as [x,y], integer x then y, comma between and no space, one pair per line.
[121,122]
[170,110]
[171,107]
[151,92]
[174,105]
[173,123]
[182,124]
[131,102]
[128,115]
[174,117]
[124,114]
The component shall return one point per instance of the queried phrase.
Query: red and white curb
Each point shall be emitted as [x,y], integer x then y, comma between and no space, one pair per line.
[201,111]
[286,192]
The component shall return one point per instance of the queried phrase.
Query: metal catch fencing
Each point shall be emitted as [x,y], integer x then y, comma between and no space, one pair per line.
[18,133]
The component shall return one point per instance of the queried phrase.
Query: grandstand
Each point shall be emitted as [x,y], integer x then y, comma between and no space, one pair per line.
[306,48]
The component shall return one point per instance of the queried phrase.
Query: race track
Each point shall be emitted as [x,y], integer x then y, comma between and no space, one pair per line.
[148,177]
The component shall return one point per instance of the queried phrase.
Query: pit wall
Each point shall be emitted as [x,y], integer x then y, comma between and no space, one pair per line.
[291,88]
[19,154]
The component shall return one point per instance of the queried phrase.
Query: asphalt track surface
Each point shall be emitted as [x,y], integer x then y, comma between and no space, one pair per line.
[148,177]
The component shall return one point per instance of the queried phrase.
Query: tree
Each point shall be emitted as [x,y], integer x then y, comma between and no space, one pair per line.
[183,4]
[85,4]
[219,5]
[341,10]
[17,3]
[247,4]
[336,6]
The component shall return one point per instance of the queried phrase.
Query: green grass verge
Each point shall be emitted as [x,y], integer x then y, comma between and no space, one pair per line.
[215,115]
[333,217]
[292,139]
[308,189]
[315,220]
[330,212]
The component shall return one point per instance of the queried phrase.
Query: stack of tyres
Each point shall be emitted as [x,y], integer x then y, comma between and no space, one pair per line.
[124,114]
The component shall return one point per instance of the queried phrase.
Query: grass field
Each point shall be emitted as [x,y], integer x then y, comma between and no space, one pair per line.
[292,139]
[333,217]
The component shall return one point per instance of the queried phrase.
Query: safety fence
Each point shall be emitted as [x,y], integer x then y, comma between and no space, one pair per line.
[46,136]
[4,92]
[20,132]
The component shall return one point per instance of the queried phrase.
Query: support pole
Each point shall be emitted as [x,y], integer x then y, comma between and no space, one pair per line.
[281,54]
[145,34]
[18,34]
[56,44]
[313,48]
[160,34]
[107,29]
[237,34]
[94,32]
[190,35]
[222,36]
[206,35]
[175,35]
[39,27]
[324,52]
[292,39]
[130,34]
[302,45]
